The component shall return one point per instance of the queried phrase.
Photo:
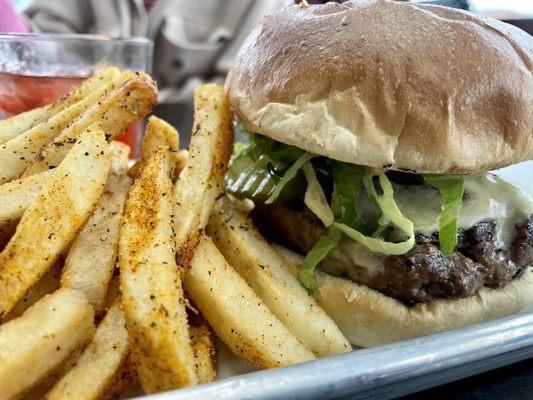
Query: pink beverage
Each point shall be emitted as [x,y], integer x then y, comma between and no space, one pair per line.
[19,93]
[37,69]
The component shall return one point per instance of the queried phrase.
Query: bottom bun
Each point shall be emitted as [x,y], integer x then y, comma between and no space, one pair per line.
[368,318]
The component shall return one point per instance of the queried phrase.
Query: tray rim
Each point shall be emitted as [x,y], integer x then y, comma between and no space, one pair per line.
[382,372]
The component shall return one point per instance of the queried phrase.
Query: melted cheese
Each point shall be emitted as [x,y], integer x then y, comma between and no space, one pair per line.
[349,253]
[487,198]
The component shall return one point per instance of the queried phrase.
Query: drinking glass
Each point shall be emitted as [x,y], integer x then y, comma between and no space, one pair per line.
[36,69]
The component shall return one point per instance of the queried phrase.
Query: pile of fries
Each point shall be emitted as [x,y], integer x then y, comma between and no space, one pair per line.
[114,277]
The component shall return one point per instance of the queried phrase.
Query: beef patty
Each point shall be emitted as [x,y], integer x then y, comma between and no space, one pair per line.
[423,273]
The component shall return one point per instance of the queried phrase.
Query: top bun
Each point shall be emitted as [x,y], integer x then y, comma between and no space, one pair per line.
[390,85]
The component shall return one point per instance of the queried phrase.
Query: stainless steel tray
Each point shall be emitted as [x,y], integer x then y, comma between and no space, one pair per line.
[383,372]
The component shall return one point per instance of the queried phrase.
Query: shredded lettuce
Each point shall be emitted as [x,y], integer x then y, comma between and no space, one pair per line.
[289,175]
[385,202]
[451,188]
[383,220]
[390,209]
[269,171]
[320,250]
[347,180]
[315,198]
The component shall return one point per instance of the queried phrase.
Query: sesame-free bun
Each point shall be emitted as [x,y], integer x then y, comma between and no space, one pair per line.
[389,84]
[368,318]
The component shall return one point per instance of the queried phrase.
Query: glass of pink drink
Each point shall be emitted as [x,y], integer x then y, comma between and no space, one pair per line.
[37,69]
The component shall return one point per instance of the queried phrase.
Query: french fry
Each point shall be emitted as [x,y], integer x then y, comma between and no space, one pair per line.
[120,157]
[20,152]
[18,124]
[202,179]
[52,221]
[204,348]
[113,289]
[51,282]
[52,329]
[152,295]
[46,384]
[6,232]
[99,366]
[48,284]
[181,159]
[291,260]
[92,256]
[128,103]
[262,268]
[16,196]
[134,170]
[127,384]
[237,314]
[100,79]
[158,133]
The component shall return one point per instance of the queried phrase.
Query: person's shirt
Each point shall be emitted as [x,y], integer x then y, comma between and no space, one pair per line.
[194,41]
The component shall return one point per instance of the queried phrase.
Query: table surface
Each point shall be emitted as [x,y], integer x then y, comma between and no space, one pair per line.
[514,381]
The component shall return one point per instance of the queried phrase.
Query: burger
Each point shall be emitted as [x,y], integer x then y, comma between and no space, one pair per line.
[371,127]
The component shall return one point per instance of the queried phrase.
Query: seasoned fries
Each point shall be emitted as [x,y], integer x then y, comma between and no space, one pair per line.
[129,102]
[120,157]
[158,133]
[98,367]
[86,238]
[236,314]
[48,284]
[53,328]
[204,348]
[153,299]
[20,152]
[20,123]
[181,158]
[202,179]
[259,264]
[89,86]
[92,256]
[6,232]
[16,196]
[52,221]
[291,260]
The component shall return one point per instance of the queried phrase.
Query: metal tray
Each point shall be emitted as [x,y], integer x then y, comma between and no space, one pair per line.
[383,372]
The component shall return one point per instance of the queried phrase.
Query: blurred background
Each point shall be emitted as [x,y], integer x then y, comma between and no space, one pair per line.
[189,42]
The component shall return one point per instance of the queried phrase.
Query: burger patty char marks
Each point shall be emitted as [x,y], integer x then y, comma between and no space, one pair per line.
[423,273]
[498,266]
[523,244]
